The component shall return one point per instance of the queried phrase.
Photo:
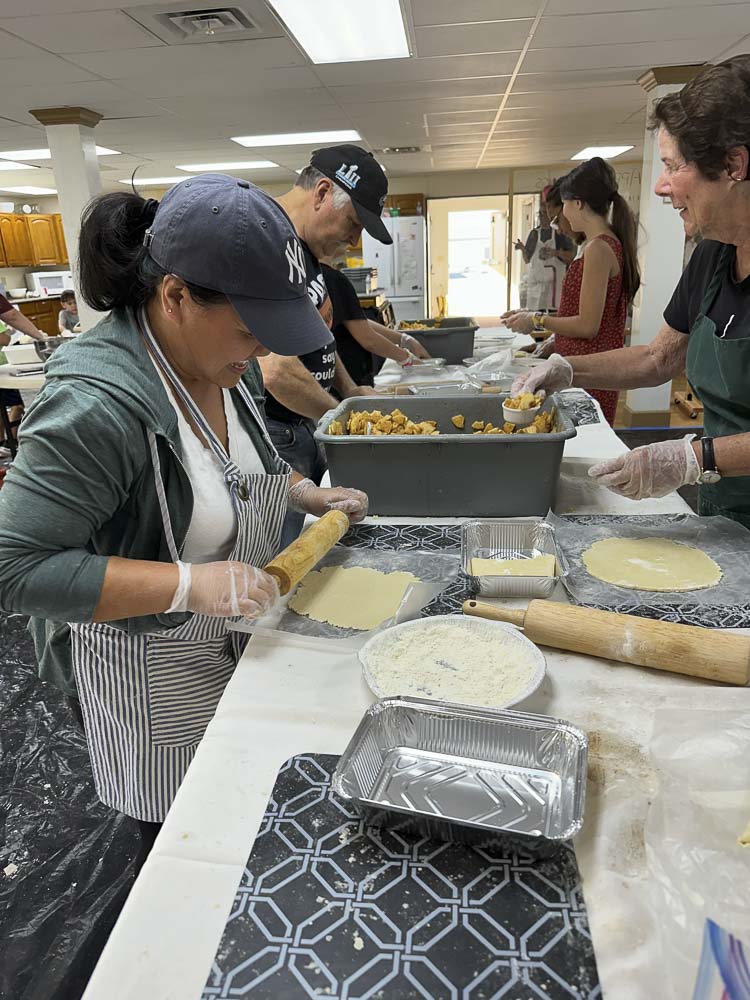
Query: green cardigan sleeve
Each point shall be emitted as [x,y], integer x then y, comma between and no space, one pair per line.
[78,456]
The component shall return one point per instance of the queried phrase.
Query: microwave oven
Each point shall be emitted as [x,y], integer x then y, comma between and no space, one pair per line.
[49,282]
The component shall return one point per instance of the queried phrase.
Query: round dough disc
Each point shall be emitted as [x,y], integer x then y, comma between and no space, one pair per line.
[656,564]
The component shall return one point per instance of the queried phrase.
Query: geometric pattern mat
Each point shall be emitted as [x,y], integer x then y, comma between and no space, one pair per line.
[329,907]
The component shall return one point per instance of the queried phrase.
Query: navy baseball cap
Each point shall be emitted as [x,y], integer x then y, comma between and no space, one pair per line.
[361,176]
[224,233]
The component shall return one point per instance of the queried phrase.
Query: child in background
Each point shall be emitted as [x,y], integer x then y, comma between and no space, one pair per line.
[67,319]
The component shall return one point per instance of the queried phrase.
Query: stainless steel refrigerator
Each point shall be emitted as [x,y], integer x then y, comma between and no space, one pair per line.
[402,270]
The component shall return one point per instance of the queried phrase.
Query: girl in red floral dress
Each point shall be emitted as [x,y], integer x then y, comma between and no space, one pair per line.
[599,286]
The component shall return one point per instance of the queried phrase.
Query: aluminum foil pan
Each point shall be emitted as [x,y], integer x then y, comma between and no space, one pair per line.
[509,538]
[456,772]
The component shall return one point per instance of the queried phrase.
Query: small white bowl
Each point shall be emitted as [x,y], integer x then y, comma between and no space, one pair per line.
[17,293]
[521,418]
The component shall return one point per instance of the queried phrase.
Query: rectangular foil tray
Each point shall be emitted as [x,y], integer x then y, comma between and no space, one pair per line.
[455,772]
[509,538]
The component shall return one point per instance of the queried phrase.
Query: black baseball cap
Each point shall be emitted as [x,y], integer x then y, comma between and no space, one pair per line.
[224,233]
[361,176]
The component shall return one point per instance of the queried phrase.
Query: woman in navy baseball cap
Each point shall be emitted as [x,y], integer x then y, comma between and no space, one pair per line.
[147,496]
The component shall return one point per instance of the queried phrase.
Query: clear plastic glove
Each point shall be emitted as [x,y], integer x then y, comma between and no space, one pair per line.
[410,343]
[650,471]
[544,348]
[367,390]
[518,320]
[307,498]
[410,359]
[555,373]
[224,590]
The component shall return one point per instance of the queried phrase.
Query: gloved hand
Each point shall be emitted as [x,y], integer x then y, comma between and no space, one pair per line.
[544,348]
[518,320]
[224,590]
[652,470]
[410,359]
[307,498]
[555,373]
[410,343]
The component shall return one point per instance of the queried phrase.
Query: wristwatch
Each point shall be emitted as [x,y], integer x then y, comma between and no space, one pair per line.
[710,473]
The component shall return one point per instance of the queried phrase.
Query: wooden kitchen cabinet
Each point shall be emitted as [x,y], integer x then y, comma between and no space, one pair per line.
[62,250]
[16,240]
[43,239]
[3,258]
[42,313]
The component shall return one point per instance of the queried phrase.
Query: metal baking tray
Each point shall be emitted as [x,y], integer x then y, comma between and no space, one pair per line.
[457,772]
[509,538]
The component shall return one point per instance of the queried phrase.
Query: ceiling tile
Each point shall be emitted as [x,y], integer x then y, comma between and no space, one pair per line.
[495,36]
[618,56]
[428,12]
[95,31]
[411,70]
[642,26]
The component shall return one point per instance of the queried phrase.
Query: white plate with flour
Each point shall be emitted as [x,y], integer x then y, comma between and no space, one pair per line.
[469,661]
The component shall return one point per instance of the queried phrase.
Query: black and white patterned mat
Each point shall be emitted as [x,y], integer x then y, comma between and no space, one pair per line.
[328,907]
[447,537]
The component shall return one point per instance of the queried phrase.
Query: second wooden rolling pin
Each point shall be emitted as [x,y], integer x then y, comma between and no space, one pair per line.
[681,649]
[297,559]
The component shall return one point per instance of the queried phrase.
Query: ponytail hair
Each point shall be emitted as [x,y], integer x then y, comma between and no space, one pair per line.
[594,183]
[115,269]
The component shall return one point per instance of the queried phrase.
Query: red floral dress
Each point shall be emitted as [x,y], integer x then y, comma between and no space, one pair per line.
[611,333]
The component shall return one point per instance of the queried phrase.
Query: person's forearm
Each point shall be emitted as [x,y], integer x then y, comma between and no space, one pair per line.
[625,368]
[4,338]
[23,324]
[732,454]
[135,587]
[292,385]
[369,338]
[570,326]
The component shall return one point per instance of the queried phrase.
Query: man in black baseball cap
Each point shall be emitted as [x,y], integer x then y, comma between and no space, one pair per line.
[358,173]
[339,194]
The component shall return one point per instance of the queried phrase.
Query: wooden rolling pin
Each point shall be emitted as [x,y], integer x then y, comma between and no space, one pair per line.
[297,559]
[681,649]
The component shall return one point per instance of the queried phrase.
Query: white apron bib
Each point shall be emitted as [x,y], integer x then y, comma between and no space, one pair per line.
[545,278]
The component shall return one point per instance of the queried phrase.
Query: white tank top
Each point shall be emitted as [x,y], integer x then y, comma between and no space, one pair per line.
[213,526]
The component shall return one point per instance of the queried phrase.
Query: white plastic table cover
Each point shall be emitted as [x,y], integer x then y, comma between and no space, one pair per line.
[285,700]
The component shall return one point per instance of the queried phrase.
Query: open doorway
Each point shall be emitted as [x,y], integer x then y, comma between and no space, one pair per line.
[468,255]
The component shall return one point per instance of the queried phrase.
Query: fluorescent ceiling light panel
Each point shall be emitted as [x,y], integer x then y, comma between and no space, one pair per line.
[297,138]
[156,181]
[339,31]
[606,152]
[45,154]
[29,190]
[12,165]
[230,165]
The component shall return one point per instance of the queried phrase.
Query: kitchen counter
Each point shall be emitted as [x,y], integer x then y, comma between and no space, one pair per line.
[33,298]
[286,698]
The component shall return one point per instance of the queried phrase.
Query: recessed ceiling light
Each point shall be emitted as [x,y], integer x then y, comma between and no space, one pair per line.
[230,165]
[45,154]
[12,165]
[29,190]
[297,138]
[156,181]
[339,32]
[606,152]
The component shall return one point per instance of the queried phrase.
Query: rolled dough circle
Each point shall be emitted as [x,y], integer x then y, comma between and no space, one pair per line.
[656,564]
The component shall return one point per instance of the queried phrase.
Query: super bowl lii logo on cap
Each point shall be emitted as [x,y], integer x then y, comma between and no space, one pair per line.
[347,174]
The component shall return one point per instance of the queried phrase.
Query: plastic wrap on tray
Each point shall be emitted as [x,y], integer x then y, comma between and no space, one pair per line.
[436,571]
[725,541]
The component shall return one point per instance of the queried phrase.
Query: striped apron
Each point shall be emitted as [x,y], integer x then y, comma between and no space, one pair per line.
[147,699]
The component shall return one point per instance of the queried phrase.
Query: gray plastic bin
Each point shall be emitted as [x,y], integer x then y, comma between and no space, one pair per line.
[456,474]
[453,339]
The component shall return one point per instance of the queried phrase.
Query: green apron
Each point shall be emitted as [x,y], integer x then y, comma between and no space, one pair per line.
[719,372]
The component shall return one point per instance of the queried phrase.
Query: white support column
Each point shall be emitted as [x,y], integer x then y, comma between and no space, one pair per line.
[661,249]
[70,136]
